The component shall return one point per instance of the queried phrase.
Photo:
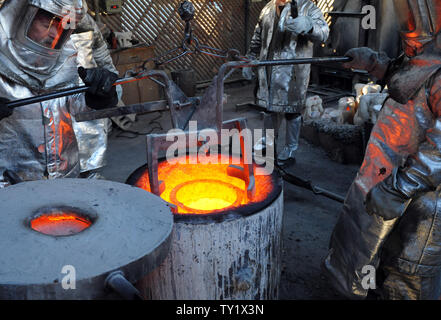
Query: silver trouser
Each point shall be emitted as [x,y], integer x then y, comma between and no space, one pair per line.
[293,127]
[411,259]
[355,243]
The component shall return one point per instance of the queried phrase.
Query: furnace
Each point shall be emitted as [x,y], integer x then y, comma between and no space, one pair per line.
[225,245]
[206,188]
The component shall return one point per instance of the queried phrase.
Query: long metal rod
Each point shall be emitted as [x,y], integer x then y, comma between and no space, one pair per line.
[149,74]
[306,184]
[45,97]
[257,63]
[137,108]
[74,90]
[347,14]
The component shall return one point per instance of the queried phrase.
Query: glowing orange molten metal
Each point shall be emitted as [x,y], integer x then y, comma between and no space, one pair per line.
[60,224]
[204,188]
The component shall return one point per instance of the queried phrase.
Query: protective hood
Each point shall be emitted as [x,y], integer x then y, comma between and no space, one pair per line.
[404,83]
[34,38]
[420,22]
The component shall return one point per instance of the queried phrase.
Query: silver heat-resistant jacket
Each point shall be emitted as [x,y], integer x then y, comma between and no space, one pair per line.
[92,53]
[287,88]
[37,141]
[400,181]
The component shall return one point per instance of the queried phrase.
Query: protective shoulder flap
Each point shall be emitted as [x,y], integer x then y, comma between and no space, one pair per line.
[411,77]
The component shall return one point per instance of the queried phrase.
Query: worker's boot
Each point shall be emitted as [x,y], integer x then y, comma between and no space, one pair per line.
[271,121]
[293,126]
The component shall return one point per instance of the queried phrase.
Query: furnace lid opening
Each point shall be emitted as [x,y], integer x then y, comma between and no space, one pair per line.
[60,221]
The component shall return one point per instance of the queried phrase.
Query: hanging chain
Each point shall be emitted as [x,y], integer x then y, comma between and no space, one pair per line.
[190,45]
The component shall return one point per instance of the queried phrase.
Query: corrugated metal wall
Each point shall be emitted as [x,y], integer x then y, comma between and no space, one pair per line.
[218,23]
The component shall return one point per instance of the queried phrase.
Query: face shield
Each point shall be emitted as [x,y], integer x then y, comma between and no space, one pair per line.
[48,30]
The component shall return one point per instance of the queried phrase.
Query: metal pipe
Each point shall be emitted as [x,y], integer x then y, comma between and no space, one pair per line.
[81,89]
[138,108]
[118,283]
[306,184]
[265,63]
[347,14]
[162,74]
[246,64]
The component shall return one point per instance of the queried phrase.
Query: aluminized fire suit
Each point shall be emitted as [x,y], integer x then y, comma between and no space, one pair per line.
[92,135]
[283,89]
[37,141]
[391,217]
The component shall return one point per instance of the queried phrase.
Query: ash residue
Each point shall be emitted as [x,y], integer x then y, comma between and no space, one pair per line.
[345,133]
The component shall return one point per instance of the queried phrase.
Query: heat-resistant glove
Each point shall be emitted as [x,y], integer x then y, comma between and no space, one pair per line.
[5,111]
[367,59]
[102,93]
[301,25]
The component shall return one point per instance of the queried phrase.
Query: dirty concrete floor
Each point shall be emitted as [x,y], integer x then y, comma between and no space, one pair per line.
[308,219]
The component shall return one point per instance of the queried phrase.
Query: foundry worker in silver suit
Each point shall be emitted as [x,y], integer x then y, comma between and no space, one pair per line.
[391,219]
[37,141]
[286,30]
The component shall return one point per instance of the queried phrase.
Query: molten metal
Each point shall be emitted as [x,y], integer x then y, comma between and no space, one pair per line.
[204,188]
[60,223]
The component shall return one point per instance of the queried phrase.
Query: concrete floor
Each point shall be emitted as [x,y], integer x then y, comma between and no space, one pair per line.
[308,220]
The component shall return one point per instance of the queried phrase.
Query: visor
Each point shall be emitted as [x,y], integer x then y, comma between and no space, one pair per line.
[49,30]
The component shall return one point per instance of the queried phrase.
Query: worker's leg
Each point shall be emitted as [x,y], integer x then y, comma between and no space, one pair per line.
[411,259]
[293,127]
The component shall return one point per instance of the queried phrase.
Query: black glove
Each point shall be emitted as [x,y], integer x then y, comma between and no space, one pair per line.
[102,93]
[5,111]
[362,58]
[376,63]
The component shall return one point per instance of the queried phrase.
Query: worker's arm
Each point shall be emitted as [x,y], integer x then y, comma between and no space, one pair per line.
[254,50]
[311,24]
[421,172]
[101,93]
[256,41]
[376,63]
